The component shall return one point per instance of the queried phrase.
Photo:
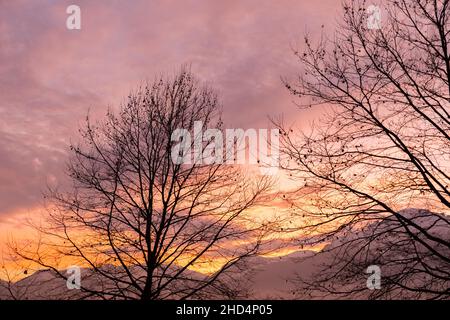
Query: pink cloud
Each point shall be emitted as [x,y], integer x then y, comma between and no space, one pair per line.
[50,76]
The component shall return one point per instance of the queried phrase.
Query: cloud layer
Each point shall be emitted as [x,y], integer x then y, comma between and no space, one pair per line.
[51,76]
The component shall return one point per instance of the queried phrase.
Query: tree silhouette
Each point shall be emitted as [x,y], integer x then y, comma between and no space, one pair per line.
[139,223]
[383,146]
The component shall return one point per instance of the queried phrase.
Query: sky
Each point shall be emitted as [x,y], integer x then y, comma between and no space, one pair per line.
[51,76]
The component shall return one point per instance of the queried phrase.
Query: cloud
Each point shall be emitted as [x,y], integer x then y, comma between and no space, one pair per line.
[51,76]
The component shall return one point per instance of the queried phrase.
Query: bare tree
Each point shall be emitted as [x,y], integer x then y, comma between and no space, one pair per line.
[9,277]
[143,225]
[19,280]
[383,146]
